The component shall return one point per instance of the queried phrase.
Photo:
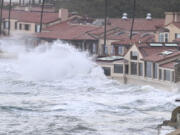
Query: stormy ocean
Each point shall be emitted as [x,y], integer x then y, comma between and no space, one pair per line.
[54,89]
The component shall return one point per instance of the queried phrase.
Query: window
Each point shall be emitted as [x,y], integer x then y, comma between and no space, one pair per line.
[26,27]
[20,26]
[140,69]
[107,71]
[15,25]
[94,48]
[177,35]
[6,24]
[166,37]
[127,69]
[105,50]
[134,55]
[148,69]
[37,28]
[120,50]
[133,68]
[112,50]
[163,37]
[167,75]
[155,67]
[160,74]
[173,79]
[118,68]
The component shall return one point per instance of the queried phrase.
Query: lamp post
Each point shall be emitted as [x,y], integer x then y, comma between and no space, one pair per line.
[105,22]
[42,11]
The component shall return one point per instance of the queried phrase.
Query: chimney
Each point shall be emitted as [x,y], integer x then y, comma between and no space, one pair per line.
[177,17]
[169,17]
[148,16]
[124,17]
[63,14]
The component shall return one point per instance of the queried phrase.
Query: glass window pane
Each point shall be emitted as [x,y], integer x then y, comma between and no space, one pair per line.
[118,68]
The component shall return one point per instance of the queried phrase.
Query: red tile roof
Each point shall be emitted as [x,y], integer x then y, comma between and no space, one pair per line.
[177,24]
[140,24]
[169,65]
[67,31]
[139,37]
[30,17]
[154,54]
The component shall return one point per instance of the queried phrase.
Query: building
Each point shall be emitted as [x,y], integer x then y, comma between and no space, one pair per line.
[74,31]
[149,62]
[30,2]
[118,26]
[170,31]
[29,21]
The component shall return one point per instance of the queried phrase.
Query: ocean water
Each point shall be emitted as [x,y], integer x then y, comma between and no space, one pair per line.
[55,89]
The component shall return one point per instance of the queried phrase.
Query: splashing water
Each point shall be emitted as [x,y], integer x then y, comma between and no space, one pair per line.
[56,89]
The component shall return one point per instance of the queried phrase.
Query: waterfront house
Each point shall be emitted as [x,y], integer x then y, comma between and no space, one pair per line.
[155,63]
[121,26]
[74,31]
[29,21]
[170,31]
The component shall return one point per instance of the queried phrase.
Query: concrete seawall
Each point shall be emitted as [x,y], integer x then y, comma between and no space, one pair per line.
[164,85]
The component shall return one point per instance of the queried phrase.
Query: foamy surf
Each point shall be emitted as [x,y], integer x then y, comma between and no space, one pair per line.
[56,89]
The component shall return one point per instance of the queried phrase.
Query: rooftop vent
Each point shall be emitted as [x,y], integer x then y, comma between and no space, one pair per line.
[124,17]
[148,16]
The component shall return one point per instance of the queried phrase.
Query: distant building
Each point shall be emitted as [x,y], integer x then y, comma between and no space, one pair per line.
[29,21]
[170,31]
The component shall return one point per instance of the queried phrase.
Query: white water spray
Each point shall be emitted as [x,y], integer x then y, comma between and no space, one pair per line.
[83,102]
[50,62]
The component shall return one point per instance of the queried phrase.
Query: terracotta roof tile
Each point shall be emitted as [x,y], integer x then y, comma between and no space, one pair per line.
[177,24]
[67,31]
[154,54]
[140,24]
[30,17]
[139,37]
[169,65]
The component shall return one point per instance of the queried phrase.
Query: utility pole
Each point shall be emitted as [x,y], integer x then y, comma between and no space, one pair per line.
[42,11]
[134,14]
[1,16]
[9,22]
[105,22]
